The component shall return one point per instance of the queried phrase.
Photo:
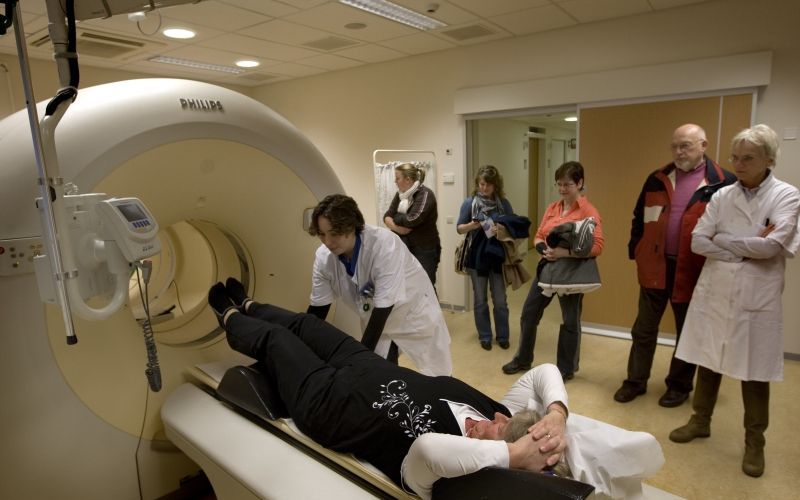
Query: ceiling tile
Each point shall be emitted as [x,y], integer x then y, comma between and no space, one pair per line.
[534,20]
[266,7]
[333,17]
[418,44]
[215,14]
[304,4]
[330,62]
[292,69]
[282,31]
[493,8]
[595,10]
[668,4]
[371,53]
[258,48]
[151,28]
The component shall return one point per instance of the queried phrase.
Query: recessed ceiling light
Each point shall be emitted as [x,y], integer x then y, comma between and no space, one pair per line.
[179,33]
[571,119]
[196,64]
[396,13]
[355,26]
[247,63]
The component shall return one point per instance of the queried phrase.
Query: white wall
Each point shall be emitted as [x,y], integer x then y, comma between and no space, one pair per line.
[408,103]
[500,143]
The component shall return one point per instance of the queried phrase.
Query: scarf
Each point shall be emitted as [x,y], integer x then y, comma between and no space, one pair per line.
[482,207]
[404,198]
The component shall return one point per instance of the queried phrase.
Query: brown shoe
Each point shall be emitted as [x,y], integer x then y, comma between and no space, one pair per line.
[753,461]
[628,393]
[694,429]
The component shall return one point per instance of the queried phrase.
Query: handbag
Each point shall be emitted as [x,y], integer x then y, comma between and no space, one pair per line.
[462,254]
[568,276]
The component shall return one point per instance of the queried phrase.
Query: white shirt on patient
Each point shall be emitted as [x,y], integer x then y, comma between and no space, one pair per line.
[612,459]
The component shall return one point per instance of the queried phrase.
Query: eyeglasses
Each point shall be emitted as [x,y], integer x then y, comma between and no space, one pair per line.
[560,185]
[684,146]
[744,160]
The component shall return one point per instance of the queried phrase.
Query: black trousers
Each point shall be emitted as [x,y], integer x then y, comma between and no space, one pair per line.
[652,305]
[316,366]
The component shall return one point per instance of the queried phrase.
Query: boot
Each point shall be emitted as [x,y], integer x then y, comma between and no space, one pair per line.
[705,398]
[755,396]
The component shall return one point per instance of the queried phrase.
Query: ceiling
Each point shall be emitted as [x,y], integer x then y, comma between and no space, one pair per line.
[298,38]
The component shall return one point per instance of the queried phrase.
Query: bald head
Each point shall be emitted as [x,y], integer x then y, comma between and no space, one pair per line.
[688,146]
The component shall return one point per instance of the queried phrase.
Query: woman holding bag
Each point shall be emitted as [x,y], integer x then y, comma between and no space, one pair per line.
[486,255]
[572,207]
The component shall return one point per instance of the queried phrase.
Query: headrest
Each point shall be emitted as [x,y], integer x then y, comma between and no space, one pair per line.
[248,388]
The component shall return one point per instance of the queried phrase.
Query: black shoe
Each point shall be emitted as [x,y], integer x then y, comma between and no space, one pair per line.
[486,344]
[673,398]
[515,366]
[504,344]
[220,302]
[628,393]
[236,291]
[567,376]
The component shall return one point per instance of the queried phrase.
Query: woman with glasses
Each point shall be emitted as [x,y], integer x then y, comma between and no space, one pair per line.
[734,325]
[572,207]
[477,219]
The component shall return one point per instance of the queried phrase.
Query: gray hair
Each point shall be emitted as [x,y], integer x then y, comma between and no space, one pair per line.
[760,136]
[518,426]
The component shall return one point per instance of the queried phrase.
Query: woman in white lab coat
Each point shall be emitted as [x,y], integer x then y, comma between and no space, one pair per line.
[734,325]
[372,271]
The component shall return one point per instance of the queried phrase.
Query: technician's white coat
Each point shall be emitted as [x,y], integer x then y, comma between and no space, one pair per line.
[734,325]
[415,324]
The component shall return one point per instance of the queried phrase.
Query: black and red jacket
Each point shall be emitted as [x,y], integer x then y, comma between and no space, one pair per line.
[649,229]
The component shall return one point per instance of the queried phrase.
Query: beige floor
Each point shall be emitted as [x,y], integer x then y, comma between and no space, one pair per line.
[704,469]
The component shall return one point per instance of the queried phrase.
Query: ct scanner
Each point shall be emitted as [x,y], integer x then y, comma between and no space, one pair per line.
[227,180]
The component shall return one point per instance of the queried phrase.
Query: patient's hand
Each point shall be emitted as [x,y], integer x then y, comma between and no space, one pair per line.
[524,454]
[550,430]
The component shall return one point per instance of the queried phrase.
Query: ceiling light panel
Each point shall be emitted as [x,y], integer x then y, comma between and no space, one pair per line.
[396,13]
[189,63]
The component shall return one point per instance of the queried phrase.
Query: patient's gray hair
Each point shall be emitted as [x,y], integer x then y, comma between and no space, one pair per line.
[518,426]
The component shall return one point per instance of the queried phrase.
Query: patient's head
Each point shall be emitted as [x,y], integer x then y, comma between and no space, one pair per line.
[518,425]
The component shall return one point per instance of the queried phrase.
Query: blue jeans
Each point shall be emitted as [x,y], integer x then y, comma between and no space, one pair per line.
[480,284]
[569,333]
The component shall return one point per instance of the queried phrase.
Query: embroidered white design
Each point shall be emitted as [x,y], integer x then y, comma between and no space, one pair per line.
[415,421]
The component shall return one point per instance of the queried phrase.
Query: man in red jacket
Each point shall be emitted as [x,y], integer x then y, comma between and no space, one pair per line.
[672,200]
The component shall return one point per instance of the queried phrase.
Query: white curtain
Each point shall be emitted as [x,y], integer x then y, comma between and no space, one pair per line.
[385,187]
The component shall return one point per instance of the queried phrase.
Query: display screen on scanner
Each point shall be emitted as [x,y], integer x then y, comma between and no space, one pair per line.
[131,211]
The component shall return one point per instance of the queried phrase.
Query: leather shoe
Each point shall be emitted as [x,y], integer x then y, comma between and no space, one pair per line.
[753,461]
[673,398]
[504,344]
[628,393]
[567,376]
[515,366]
[486,344]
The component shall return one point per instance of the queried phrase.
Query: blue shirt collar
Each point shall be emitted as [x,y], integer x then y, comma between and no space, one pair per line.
[350,265]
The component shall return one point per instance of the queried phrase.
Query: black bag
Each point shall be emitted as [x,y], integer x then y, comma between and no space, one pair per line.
[462,254]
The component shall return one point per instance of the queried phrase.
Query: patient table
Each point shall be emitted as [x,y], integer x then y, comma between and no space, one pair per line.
[233,425]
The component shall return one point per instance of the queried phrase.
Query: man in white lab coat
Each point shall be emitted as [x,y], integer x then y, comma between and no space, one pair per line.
[734,325]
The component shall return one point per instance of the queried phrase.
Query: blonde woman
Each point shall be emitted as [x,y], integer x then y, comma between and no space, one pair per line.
[412,215]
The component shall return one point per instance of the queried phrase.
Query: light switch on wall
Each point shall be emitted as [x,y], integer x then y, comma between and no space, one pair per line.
[449,178]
